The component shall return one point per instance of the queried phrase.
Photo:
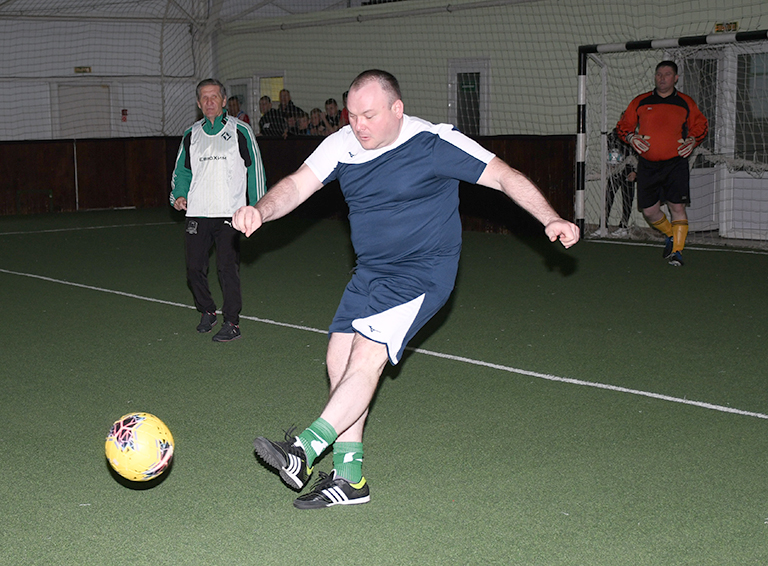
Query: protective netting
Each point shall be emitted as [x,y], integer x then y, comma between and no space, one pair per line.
[75,69]
[120,68]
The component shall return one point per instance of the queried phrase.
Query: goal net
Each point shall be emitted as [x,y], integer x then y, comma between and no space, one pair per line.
[728,79]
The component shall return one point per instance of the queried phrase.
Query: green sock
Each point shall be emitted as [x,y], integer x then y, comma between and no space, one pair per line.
[348,460]
[317,438]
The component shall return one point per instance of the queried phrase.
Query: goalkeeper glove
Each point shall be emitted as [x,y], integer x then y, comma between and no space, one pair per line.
[640,143]
[686,147]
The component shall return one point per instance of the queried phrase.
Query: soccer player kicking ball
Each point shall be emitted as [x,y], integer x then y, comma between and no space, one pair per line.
[400,177]
[664,126]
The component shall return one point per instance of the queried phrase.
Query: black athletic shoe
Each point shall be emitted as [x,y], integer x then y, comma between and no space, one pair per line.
[288,457]
[228,332]
[207,322]
[667,247]
[676,259]
[331,490]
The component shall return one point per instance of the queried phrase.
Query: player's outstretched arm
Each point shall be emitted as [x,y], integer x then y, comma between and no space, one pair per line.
[500,176]
[281,199]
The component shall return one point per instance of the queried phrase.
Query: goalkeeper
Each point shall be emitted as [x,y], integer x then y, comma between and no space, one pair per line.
[664,126]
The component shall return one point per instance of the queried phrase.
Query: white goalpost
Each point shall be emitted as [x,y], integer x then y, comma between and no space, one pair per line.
[727,76]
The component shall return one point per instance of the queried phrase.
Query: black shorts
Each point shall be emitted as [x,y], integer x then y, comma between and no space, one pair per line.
[663,181]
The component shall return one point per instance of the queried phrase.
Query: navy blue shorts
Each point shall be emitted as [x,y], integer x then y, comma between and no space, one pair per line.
[663,181]
[390,304]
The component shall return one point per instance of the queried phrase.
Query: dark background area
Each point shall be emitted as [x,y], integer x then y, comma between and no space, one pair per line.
[70,175]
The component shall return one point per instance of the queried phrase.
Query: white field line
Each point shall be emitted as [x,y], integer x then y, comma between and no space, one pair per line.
[687,247]
[78,228]
[471,361]
[595,385]
[153,300]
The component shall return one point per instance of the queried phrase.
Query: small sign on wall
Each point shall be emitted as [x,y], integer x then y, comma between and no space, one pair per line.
[82,69]
[726,27]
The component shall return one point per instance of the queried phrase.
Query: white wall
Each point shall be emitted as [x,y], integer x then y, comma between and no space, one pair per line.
[151,68]
[140,63]
[532,47]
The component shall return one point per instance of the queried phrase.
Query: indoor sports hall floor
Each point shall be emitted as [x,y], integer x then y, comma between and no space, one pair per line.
[587,407]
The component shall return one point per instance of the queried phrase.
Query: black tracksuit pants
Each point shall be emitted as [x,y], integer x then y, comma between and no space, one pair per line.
[202,233]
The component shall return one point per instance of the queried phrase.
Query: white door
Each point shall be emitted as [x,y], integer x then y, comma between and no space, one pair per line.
[84,111]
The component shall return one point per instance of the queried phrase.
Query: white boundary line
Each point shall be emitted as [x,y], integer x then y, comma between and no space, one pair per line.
[77,228]
[471,361]
[596,385]
[658,245]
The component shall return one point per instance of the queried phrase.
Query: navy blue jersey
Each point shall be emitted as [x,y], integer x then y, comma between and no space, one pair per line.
[403,199]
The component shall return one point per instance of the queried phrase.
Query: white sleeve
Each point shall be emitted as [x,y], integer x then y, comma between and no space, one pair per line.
[326,157]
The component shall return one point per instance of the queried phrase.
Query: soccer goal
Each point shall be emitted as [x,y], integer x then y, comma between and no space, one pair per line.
[727,76]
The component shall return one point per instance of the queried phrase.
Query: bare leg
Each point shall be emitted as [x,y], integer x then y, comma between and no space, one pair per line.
[653,213]
[677,211]
[355,364]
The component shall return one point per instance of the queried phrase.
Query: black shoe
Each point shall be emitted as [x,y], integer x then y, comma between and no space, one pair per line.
[331,490]
[207,322]
[667,247]
[288,457]
[228,332]
[676,259]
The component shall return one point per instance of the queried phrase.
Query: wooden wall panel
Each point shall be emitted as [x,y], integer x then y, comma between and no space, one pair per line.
[549,161]
[101,174]
[147,177]
[283,157]
[36,177]
[114,173]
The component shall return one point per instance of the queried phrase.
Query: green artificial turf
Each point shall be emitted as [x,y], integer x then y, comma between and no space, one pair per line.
[518,461]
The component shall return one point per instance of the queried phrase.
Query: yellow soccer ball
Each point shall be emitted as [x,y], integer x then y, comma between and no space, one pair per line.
[139,446]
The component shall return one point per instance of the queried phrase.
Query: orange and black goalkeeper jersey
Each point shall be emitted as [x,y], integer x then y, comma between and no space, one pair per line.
[665,121]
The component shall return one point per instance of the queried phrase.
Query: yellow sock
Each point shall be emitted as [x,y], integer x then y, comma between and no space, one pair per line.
[663,226]
[680,233]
